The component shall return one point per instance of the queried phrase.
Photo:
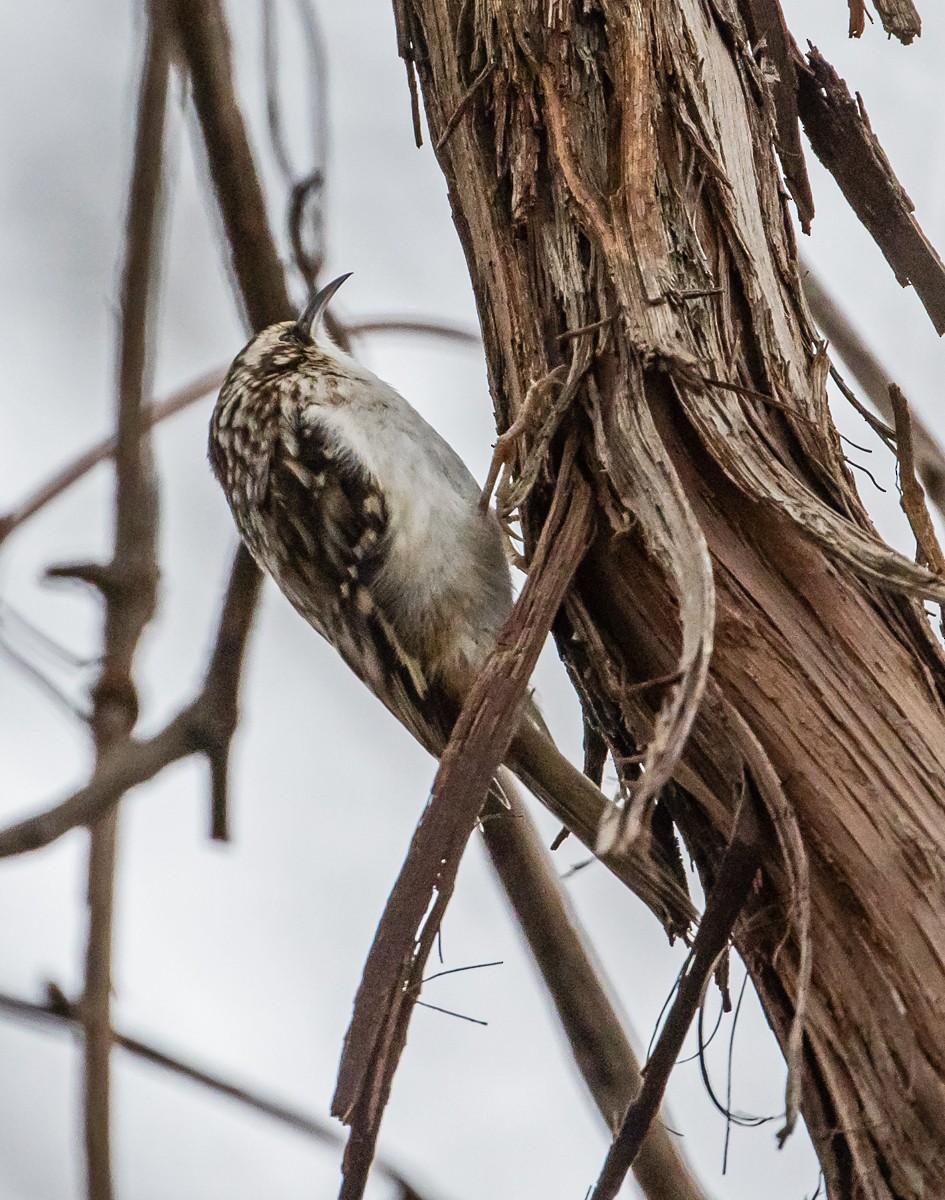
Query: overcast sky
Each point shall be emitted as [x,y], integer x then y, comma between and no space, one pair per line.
[245,957]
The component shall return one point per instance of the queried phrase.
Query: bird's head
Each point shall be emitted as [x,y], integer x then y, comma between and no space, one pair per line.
[285,347]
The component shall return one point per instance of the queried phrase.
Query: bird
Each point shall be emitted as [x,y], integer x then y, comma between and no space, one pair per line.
[373,528]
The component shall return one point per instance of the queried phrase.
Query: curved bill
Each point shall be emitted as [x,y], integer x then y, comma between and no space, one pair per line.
[313,311]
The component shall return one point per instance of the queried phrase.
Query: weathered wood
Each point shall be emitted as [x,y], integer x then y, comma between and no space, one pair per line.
[614,164]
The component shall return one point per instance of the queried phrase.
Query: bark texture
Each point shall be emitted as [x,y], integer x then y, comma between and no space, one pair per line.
[611,165]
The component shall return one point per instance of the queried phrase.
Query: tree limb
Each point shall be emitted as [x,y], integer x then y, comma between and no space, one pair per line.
[736,872]
[58,1011]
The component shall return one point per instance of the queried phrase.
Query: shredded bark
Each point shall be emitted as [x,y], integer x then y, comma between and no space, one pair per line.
[616,160]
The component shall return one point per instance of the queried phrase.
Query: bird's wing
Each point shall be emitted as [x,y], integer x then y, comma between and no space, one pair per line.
[329,516]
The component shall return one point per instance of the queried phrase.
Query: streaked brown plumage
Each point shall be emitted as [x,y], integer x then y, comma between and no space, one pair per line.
[371,526]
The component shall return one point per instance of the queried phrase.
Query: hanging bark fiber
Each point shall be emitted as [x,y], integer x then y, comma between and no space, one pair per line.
[611,170]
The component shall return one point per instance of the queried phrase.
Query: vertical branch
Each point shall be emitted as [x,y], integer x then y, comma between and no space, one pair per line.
[588,1018]
[260,279]
[260,283]
[128,584]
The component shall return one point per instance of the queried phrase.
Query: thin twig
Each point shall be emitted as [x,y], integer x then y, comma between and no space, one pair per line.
[42,681]
[599,1043]
[874,379]
[58,1012]
[733,883]
[911,493]
[465,100]
[885,433]
[151,415]
[437,329]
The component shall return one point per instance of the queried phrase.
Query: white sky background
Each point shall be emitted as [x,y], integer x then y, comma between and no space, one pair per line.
[245,958]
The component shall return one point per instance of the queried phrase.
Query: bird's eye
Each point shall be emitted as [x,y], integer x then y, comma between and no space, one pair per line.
[295,335]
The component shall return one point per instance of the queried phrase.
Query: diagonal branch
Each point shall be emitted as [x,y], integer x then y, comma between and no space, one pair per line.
[389,986]
[151,415]
[840,134]
[254,257]
[595,1032]
[733,883]
[58,1011]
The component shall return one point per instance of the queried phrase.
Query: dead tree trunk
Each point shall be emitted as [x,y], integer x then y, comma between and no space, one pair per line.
[610,165]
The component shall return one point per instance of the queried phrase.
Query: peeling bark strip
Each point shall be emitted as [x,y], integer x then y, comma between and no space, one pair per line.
[615,165]
[841,137]
[392,974]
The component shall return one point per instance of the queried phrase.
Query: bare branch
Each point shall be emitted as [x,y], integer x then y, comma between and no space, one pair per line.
[130,593]
[840,134]
[253,253]
[114,775]
[57,1011]
[437,329]
[216,713]
[596,1035]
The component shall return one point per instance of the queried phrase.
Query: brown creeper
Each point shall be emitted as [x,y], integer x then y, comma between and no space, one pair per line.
[371,526]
